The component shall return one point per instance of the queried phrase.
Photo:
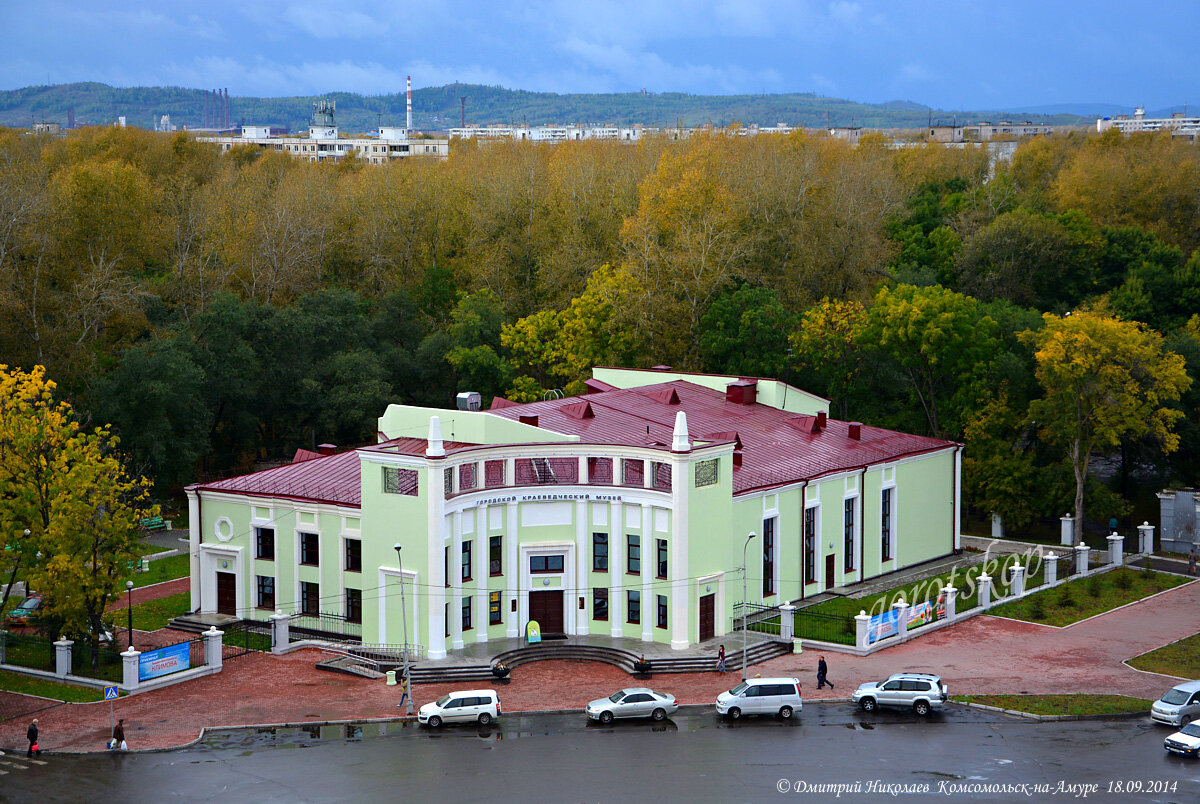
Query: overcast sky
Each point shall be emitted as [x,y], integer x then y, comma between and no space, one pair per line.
[947,54]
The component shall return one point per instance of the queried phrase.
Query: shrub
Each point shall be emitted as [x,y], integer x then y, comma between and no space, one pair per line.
[1065,599]
[1123,580]
[1094,587]
[1147,571]
[1037,609]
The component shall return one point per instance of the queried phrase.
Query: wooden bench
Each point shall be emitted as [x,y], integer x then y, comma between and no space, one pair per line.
[153,523]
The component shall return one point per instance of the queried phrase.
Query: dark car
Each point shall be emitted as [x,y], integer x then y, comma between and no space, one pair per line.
[25,613]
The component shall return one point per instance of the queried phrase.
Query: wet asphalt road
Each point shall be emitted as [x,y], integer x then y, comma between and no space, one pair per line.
[692,757]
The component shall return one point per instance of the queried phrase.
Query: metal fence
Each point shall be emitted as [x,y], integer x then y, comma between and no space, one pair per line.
[323,626]
[28,650]
[104,662]
[808,624]
[244,637]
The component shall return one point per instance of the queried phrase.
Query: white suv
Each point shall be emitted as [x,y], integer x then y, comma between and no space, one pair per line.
[919,691]
[476,706]
[761,696]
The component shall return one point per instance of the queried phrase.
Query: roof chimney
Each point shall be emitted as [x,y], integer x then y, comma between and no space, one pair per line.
[741,392]
[528,418]
[679,439]
[819,423]
[435,448]
[856,431]
[326,449]
[737,459]
[408,103]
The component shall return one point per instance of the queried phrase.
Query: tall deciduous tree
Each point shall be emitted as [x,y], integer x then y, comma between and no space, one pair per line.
[1104,379]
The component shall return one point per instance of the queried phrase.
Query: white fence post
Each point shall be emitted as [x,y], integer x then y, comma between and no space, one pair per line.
[1116,546]
[997,527]
[1145,538]
[1051,569]
[951,602]
[279,632]
[62,657]
[861,621]
[985,590]
[1017,587]
[787,622]
[212,647]
[1081,559]
[129,669]
[901,620]
[1068,529]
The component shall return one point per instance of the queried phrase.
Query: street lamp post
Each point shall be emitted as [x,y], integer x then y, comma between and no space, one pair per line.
[404,619]
[129,593]
[745,601]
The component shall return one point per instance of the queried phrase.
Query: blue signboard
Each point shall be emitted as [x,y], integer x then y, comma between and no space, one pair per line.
[882,626]
[164,661]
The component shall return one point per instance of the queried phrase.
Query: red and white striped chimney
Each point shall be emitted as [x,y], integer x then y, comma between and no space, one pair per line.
[409,126]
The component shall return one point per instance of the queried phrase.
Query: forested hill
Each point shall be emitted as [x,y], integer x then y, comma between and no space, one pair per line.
[439,108]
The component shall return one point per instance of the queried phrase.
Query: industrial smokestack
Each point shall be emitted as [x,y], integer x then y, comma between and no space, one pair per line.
[409,95]
[227,108]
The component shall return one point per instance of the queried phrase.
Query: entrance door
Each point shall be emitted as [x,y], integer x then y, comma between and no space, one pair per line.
[226,593]
[830,569]
[547,609]
[708,617]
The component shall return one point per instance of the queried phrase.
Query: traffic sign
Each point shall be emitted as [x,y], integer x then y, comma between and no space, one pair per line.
[110,693]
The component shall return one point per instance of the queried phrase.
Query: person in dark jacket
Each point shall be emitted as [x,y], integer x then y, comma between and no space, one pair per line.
[822,671]
[118,738]
[32,735]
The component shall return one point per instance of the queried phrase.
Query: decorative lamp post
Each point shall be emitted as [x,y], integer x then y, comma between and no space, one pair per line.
[745,602]
[404,619]
[129,593]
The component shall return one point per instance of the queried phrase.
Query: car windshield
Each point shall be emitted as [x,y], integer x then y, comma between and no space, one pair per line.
[739,689]
[617,696]
[445,699]
[1175,696]
[29,605]
[1191,730]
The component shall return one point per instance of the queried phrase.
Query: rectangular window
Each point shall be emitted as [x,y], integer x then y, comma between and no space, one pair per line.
[310,598]
[466,560]
[266,592]
[448,481]
[264,543]
[885,525]
[810,545]
[661,545]
[633,556]
[495,559]
[539,564]
[633,472]
[848,521]
[662,611]
[768,561]
[634,602]
[706,472]
[353,605]
[466,477]
[353,555]
[495,613]
[310,552]
[493,473]
[599,603]
[466,613]
[600,471]
[399,481]
[599,552]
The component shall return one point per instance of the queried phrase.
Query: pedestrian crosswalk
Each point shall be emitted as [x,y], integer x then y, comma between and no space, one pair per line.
[9,763]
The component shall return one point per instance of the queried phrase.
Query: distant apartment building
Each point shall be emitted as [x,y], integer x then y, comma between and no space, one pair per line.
[987,130]
[1179,124]
[325,142]
[552,133]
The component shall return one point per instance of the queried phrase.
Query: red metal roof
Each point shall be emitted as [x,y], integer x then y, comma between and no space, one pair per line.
[328,478]
[774,450]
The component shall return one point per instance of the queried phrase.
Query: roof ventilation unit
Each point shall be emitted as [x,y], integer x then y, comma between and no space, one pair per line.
[469,400]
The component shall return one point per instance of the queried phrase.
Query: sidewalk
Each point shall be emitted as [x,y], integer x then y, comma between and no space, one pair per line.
[982,655]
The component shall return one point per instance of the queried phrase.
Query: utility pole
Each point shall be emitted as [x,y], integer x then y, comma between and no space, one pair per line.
[745,602]
[404,619]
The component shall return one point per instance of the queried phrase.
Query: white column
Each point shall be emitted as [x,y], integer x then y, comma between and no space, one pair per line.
[194,526]
[1145,538]
[1017,587]
[985,590]
[901,620]
[583,523]
[861,621]
[513,572]
[1051,569]
[129,670]
[1116,543]
[787,622]
[280,637]
[62,657]
[997,527]
[213,655]
[616,569]
[479,595]
[435,550]
[649,571]
[1068,530]
[951,603]
[683,608]
[454,570]
[1081,558]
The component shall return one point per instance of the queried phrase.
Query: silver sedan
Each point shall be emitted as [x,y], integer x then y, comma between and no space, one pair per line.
[632,702]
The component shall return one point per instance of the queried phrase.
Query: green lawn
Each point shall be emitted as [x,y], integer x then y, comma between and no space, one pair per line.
[164,569]
[1062,704]
[155,614]
[1087,597]
[15,682]
[1180,659]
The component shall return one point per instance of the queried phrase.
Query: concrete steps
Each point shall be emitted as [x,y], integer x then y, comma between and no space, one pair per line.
[350,666]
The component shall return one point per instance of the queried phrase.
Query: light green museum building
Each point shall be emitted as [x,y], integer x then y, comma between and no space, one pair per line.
[623,512]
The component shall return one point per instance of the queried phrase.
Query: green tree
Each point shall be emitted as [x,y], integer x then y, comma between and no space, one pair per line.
[746,332]
[1103,379]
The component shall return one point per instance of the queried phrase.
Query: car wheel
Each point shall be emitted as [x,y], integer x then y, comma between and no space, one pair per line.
[484,718]
[735,713]
[921,708]
[785,712]
[435,722]
[867,704]
[659,714]
[606,717]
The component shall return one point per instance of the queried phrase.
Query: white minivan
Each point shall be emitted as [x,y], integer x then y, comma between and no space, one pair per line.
[761,696]
[1179,706]
[475,706]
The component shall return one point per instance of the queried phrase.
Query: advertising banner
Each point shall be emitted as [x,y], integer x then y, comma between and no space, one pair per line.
[164,661]
[919,614]
[882,626]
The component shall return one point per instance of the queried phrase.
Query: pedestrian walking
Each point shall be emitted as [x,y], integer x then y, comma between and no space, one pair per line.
[117,743]
[721,660]
[1192,560]
[32,735]
[822,672]
[403,690]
